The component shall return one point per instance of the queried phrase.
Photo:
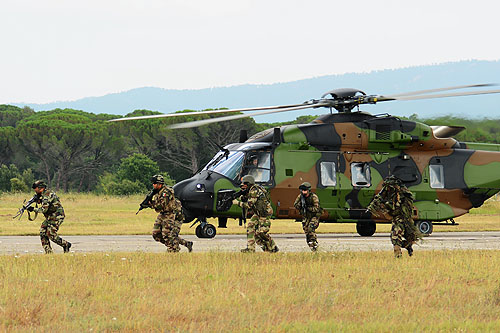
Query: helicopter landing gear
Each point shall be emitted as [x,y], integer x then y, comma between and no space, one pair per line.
[209,231]
[366,229]
[222,222]
[199,231]
[204,229]
[424,227]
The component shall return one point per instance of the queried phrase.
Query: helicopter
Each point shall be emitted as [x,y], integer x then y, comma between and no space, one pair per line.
[345,156]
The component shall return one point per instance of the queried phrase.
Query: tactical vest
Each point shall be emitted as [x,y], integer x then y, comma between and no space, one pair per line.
[263,206]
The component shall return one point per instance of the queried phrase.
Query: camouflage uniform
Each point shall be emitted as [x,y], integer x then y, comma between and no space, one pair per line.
[53,211]
[396,200]
[311,211]
[168,223]
[257,201]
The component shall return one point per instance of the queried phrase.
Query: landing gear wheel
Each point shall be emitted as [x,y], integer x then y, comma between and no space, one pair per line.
[199,231]
[425,227]
[366,229]
[209,231]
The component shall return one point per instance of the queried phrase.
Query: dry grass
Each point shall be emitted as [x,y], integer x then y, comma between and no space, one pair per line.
[233,292]
[88,214]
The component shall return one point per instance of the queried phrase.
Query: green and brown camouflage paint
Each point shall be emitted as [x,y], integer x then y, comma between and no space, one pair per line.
[389,146]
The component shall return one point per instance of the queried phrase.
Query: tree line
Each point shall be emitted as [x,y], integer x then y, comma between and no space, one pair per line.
[79,151]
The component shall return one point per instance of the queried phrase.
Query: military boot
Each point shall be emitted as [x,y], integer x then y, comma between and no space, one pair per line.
[189,246]
[275,249]
[397,251]
[66,247]
[410,249]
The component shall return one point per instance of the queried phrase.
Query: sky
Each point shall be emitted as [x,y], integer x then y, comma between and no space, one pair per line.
[55,50]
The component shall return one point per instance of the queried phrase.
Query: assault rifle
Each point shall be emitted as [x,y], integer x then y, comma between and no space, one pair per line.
[145,202]
[26,205]
[303,205]
[225,200]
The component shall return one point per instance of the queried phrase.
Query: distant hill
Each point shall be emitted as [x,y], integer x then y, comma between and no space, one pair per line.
[377,82]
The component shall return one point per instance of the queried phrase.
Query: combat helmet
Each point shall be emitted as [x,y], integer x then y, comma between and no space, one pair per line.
[39,183]
[305,186]
[393,181]
[157,179]
[249,180]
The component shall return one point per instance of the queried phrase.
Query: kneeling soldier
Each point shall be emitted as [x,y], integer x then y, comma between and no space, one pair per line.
[168,223]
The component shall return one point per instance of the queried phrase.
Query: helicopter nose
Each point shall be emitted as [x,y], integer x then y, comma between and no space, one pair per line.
[196,196]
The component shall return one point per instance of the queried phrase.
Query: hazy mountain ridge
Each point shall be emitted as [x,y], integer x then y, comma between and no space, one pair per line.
[377,82]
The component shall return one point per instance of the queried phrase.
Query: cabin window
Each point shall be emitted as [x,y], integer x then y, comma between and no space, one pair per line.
[258,165]
[360,174]
[436,174]
[328,174]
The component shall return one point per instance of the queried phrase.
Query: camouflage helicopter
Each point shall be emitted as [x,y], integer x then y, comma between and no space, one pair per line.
[345,156]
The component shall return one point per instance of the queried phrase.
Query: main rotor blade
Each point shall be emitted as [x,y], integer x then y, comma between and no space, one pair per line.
[457,94]
[202,122]
[180,114]
[420,92]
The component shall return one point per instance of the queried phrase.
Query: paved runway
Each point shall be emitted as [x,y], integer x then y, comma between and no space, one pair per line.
[231,243]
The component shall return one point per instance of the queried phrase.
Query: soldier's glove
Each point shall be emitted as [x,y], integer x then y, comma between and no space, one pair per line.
[236,202]
[30,209]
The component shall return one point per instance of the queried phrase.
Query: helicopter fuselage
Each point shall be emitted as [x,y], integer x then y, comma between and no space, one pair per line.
[346,157]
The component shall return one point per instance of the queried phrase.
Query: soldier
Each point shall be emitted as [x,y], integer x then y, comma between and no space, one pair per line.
[255,198]
[53,211]
[168,223]
[396,200]
[307,203]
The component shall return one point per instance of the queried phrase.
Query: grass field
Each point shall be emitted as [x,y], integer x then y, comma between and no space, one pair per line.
[88,214]
[232,292]
[433,291]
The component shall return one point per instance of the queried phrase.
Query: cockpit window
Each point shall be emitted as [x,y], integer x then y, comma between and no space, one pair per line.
[360,173]
[227,164]
[258,165]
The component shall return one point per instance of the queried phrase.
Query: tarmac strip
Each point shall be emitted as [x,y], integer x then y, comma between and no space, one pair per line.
[233,243]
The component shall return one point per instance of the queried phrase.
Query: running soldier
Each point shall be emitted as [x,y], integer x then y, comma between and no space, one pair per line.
[168,223]
[396,200]
[255,198]
[307,203]
[53,211]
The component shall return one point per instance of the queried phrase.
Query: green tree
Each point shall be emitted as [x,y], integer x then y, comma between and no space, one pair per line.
[7,138]
[10,115]
[11,179]
[138,167]
[133,176]
[6,174]
[67,144]
[18,185]
[111,185]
